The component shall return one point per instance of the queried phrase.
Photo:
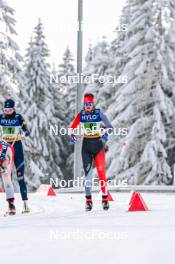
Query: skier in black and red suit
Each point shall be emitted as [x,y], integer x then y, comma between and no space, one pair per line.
[92,120]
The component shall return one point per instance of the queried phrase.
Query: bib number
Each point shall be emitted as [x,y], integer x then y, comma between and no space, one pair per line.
[8,130]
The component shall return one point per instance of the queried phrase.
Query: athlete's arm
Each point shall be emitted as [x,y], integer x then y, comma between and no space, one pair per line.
[72,139]
[76,121]
[24,127]
[105,120]
[4,150]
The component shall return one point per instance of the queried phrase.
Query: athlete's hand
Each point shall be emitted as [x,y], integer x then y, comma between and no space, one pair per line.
[2,159]
[105,137]
[27,133]
[72,139]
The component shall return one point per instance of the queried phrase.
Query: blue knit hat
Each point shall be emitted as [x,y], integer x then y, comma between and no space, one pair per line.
[9,103]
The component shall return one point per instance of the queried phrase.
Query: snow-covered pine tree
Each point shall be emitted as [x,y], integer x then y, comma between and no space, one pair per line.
[40,112]
[10,71]
[67,93]
[67,87]
[60,116]
[99,64]
[107,60]
[145,104]
[119,57]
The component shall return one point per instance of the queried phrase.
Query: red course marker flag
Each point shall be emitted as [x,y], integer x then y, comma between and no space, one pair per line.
[46,189]
[137,203]
[51,192]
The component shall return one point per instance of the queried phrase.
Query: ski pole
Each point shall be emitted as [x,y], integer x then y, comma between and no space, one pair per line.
[31,147]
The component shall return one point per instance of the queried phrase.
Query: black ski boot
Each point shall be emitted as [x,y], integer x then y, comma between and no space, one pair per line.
[88,206]
[11,210]
[105,203]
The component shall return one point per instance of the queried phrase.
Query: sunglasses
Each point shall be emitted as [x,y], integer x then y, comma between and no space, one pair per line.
[88,104]
[8,109]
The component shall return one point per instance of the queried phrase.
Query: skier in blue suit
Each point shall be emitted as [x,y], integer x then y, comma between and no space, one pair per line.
[12,125]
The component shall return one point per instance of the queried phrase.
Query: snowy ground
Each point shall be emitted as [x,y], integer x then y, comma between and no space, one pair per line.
[59,231]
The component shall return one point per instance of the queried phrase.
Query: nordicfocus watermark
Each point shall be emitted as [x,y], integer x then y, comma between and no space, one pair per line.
[89,79]
[83,182]
[121,27]
[80,131]
[78,234]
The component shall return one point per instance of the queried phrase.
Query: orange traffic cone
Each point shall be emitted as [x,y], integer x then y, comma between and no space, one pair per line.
[137,203]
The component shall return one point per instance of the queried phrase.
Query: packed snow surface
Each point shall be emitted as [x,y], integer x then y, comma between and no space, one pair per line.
[58,230]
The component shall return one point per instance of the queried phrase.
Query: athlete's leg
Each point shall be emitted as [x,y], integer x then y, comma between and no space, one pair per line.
[101,170]
[19,164]
[6,175]
[87,159]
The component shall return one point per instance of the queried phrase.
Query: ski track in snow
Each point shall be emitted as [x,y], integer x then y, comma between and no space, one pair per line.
[58,229]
